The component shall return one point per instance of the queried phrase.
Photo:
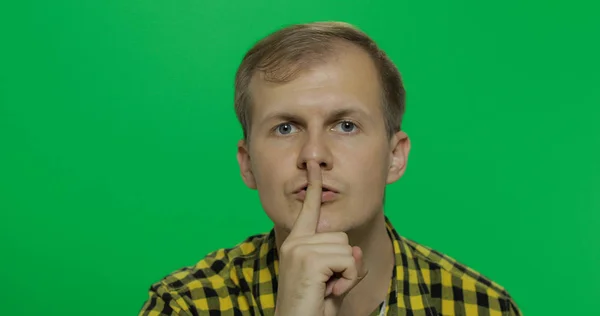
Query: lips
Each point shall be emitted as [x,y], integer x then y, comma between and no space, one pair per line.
[324,188]
[328,194]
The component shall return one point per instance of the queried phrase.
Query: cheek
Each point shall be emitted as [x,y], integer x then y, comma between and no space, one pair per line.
[365,172]
[374,170]
[273,174]
[369,161]
[271,171]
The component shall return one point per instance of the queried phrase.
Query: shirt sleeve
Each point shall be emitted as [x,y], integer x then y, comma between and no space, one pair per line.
[513,309]
[162,302]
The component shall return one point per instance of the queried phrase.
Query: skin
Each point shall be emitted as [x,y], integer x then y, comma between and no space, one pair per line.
[326,127]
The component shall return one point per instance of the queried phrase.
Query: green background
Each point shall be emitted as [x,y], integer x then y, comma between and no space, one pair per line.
[118,141]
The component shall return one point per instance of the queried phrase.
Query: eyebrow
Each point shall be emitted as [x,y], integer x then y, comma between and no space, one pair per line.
[331,117]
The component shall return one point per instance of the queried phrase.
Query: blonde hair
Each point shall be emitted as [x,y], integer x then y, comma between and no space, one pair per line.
[280,56]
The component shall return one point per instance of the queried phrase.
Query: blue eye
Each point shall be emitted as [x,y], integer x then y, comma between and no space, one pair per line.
[347,127]
[285,129]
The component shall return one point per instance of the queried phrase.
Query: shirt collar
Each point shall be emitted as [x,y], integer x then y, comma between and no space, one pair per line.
[407,293]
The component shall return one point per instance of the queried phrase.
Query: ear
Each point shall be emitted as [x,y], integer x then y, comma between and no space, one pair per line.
[243,158]
[400,147]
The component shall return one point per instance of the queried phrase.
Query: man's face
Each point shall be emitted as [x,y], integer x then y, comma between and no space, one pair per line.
[331,114]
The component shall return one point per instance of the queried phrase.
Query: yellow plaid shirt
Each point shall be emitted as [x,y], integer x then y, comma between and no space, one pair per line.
[243,281]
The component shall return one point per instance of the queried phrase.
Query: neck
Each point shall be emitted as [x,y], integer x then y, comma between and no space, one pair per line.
[379,258]
[373,240]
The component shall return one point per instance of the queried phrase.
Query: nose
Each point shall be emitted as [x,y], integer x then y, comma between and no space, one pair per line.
[315,148]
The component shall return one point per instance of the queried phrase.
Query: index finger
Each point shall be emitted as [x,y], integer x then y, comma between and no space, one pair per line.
[307,220]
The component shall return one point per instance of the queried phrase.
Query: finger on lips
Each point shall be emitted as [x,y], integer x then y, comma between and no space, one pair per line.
[307,220]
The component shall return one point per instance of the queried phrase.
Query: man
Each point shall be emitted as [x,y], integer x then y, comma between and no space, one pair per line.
[321,108]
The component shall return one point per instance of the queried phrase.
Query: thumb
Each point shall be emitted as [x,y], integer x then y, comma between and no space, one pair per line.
[360,266]
[341,287]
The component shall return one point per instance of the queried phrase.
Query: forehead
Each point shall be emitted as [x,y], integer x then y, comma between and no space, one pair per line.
[347,79]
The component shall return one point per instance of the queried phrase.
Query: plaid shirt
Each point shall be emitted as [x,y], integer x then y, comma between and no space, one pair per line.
[243,281]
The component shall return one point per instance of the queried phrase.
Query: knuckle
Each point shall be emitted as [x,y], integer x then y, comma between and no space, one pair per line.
[343,237]
[284,250]
[352,271]
[349,251]
[310,257]
[288,248]
[339,238]
[299,252]
[350,263]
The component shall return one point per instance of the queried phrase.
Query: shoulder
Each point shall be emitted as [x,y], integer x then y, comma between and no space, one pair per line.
[458,287]
[213,283]
[215,269]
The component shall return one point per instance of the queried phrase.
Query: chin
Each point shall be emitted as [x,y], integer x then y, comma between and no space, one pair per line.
[335,216]
[335,220]
[328,227]
[339,218]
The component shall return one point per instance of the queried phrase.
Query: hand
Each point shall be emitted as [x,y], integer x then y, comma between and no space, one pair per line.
[316,270]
